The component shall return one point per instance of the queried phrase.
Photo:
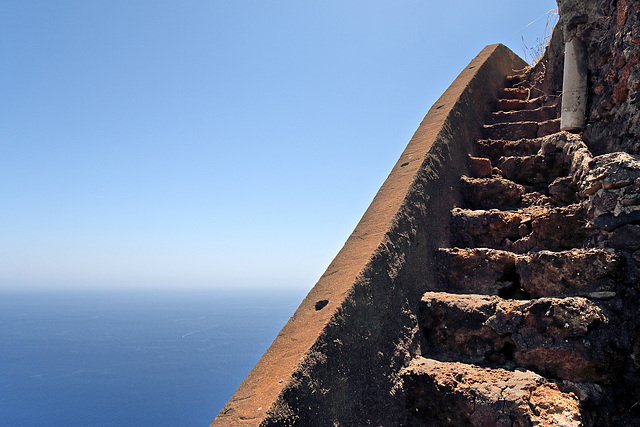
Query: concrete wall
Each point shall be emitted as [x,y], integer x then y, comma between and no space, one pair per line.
[336,361]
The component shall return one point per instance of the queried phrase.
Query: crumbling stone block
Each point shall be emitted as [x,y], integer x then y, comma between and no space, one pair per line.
[582,272]
[458,394]
[537,169]
[541,114]
[612,189]
[559,228]
[570,272]
[556,337]
[475,271]
[548,127]
[494,149]
[485,228]
[489,193]
[511,131]
[480,167]
[515,93]
[518,104]
[563,189]
[568,151]
[520,231]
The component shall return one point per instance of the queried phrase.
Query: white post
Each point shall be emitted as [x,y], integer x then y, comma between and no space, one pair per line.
[574,87]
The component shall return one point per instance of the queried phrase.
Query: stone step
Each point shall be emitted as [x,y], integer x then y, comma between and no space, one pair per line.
[539,162]
[535,100]
[515,93]
[541,114]
[496,148]
[549,127]
[515,79]
[476,271]
[513,131]
[537,170]
[490,193]
[521,130]
[590,273]
[560,338]
[488,228]
[519,104]
[480,167]
[459,394]
[530,229]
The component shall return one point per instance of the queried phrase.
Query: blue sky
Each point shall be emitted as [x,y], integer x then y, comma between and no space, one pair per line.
[159,144]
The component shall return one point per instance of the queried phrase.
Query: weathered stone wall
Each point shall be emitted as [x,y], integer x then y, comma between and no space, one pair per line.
[609,183]
[610,31]
[337,362]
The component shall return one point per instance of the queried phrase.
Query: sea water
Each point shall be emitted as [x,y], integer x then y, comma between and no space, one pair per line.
[170,358]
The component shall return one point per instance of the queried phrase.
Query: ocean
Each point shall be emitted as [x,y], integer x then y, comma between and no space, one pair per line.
[166,358]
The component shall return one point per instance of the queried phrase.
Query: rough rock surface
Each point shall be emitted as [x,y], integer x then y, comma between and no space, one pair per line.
[626,238]
[547,279]
[571,272]
[496,148]
[480,270]
[548,335]
[538,169]
[488,193]
[480,167]
[612,188]
[610,31]
[555,228]
[456,394]
[583,272]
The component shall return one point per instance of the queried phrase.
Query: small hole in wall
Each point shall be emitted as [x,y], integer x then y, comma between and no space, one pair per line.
[439,107]
[472,67]
[511,285]
[321,304]
[404,164]
[508,350]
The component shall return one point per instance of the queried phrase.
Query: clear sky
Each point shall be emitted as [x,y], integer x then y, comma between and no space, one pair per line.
[235,143]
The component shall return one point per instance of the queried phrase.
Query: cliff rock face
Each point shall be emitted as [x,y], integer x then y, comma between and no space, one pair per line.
[610,31]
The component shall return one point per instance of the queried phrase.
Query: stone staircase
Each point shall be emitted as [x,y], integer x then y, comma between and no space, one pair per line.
[516,307]
[517,330]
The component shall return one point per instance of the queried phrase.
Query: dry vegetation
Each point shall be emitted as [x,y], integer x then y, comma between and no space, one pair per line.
[533,54]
